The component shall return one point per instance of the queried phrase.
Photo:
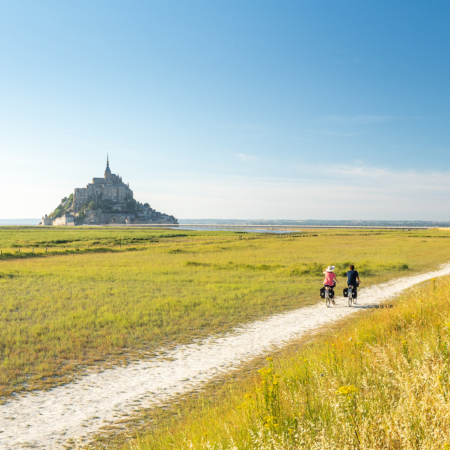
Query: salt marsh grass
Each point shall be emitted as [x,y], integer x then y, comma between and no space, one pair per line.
[65,312]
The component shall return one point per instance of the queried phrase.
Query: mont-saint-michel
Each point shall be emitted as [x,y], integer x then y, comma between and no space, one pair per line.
[106,200]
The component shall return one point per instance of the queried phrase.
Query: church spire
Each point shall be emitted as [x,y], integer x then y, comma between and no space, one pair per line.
[107,170]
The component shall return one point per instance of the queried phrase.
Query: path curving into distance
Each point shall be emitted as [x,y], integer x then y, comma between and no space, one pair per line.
[46,420]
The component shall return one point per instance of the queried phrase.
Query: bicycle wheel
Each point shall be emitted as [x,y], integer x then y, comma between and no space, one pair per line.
[350,297]
[327,300]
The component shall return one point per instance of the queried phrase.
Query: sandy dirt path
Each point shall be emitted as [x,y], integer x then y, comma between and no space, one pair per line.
[48,419]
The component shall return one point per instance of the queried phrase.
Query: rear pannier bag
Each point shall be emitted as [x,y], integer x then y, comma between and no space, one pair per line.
[322,292]
[346,292]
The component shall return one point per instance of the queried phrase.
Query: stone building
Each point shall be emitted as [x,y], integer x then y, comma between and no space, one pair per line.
[110,187]
[47,221]
[67,220]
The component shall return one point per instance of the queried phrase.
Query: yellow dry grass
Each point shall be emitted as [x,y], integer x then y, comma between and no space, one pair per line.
[381,382]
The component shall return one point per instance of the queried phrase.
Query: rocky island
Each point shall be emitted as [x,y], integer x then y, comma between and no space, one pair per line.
[105,201]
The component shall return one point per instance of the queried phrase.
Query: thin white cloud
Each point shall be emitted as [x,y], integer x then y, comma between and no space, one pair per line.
[290,200]
[248,158]
[411,178]
[333,133]
[358,119]
[321,192]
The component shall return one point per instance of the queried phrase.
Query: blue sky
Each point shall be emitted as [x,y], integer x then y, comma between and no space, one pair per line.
[229,109]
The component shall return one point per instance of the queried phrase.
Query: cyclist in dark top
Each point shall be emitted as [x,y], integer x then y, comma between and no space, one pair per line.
[353,278]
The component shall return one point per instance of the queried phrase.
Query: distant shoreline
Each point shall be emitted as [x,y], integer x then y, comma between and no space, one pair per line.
[312,222]
[278,223]
[12,222]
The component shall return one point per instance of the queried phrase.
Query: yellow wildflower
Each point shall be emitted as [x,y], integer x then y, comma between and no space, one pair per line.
[347,390]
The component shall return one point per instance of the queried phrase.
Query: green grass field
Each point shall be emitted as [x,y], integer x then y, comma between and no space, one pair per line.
[60,313]
[27,237]
[32,242]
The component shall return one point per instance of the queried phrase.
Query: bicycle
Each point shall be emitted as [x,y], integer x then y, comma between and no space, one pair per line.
[355,294]
[350,295]
[329,295]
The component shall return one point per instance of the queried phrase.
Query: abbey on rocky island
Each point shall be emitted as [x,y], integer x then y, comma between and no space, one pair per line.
[111,187]
[106,200]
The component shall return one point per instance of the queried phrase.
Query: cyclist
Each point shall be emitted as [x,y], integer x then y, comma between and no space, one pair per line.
[330,279]
[353,279]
